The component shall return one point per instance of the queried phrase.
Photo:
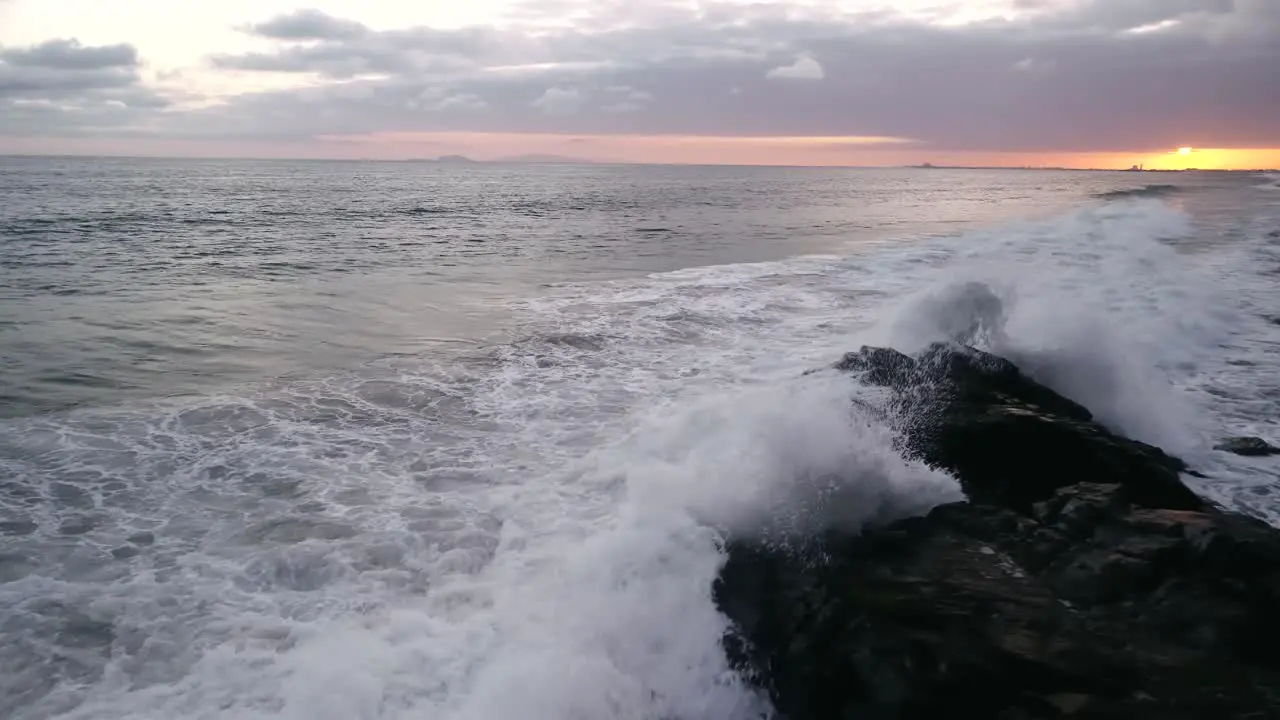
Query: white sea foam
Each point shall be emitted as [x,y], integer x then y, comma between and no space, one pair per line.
[1099,305]
[534,532]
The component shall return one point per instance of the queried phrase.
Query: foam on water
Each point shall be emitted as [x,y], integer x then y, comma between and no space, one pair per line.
[533,532]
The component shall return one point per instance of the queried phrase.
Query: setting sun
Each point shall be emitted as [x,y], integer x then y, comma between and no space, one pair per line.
[1184,151]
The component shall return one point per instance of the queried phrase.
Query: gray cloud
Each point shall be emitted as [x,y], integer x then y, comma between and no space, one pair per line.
[63,84]
[343,50]
[1066,76]
[307,25]
[59,68]
[1126,14]
[341,62]
[71,55]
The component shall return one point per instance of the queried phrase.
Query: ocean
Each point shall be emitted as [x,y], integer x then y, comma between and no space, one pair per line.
[344,440]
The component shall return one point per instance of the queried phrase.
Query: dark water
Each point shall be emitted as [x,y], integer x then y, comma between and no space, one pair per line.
[360,440]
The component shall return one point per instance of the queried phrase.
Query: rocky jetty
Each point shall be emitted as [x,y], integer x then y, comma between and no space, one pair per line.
[1081,579]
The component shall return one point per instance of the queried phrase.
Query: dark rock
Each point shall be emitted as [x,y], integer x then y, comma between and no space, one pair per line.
[1130,611]
[1010,440]
[1081,580]
[1248,446]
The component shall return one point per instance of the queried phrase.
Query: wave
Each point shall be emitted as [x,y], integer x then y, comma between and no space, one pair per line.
[1146,191]
[1101,306]
[535,533]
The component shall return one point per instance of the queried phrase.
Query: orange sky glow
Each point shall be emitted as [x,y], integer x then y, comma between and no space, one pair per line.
[815,151]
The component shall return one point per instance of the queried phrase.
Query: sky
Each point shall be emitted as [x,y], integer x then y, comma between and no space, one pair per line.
[1073,83]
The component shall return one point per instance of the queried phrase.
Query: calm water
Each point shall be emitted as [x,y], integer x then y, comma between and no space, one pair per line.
[373,440]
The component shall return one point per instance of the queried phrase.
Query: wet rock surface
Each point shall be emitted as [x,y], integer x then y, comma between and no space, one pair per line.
[1248,447]
[1009,440]
[1081,580]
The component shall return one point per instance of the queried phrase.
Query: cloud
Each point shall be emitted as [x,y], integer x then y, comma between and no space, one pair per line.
[1087,82]
[307,25]
[1120,15]
[560,101]
[340,62]
[63,85]
[804,68]
[343,60]
[1095,87]
[311,42]
[71,55]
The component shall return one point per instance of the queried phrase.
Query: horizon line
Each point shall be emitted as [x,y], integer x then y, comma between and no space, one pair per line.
[585,161]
